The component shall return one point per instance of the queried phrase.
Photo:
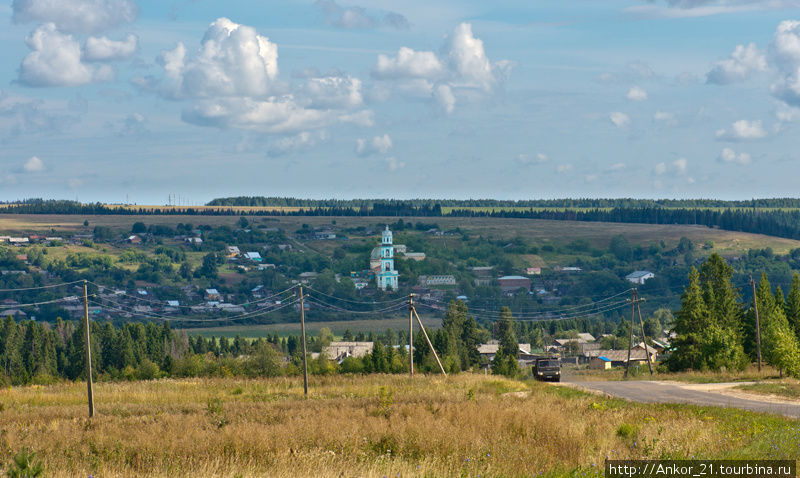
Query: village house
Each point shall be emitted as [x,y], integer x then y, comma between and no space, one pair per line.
[437,280]
[233,252]
[513,283]
[212,295]
[339,351]
[133,240]
[639,277]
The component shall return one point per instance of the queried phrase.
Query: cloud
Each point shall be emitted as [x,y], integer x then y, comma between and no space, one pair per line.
[378,145]
[528,160]
[703,8]
[730,156]
[680,165]
[641,70]
[620,120]
[134,125]
[33,165]
[301,142]
[786,52]
[233,60]
[55,60]
[408,64]
[617,167]
[665,118]
[742,130]
[280,115]
[340,92]
[76,16]
[105,49]
[19,115]
[741,65]
[563,168]
[636,94]
[445,98]
[462,68]
[359,18]
[394,164]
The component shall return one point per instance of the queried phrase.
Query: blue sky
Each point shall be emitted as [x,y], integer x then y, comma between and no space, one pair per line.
[115,100]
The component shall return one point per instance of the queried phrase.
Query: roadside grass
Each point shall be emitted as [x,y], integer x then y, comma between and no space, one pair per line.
[373,425]
[787,388]
[750,374]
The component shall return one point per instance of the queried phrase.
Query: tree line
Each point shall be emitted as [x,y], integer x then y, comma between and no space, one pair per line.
[716,330]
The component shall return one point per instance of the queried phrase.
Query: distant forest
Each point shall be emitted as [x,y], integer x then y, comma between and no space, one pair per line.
[776,217]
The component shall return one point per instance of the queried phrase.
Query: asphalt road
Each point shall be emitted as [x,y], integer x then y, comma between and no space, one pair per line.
[666,392]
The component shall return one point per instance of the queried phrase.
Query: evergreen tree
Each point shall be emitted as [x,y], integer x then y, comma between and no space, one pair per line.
[690,321]
[793,305]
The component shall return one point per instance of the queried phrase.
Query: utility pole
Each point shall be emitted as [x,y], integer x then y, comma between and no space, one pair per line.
[758,326]
[435,355]
[630,335]
[411,335]
[644,337]
[303,329]
[89,387]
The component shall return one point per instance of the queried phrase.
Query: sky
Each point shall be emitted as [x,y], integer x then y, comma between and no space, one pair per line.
[182,101]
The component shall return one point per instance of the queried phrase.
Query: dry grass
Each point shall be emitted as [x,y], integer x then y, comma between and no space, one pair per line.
[749,374]
[465,425]
[785,388]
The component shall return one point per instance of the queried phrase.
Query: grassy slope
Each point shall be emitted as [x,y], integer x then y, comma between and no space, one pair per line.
[465,425]
[598,234]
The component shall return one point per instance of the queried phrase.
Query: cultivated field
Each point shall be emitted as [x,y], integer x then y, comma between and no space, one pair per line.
[596,233]
[337,327]
[377,425]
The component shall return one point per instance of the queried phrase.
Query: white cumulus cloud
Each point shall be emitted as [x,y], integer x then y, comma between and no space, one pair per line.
[33,165]
[408,64]
[105,49]
[356,17]
[620,120]
[742,130]
[665,118]
[55,60]
[76,16]
[461,69]
[333,92]
[377,145]
[730,156]
[636,94]
[233,60]
[743,63]
[786,49]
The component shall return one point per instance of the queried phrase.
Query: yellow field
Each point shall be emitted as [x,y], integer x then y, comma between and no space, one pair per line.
[377,425]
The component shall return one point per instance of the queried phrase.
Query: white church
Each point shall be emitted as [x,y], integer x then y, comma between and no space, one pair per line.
[387,276]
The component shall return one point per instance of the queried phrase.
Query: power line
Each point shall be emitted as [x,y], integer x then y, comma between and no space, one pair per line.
[22,289]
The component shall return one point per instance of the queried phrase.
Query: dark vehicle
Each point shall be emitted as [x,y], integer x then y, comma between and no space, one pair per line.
[547,369]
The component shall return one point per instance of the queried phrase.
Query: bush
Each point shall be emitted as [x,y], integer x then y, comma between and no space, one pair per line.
[147,370]
[24,466]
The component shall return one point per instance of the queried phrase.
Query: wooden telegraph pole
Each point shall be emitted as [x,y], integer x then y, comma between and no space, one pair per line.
[410,335]
[303,333]
[634,300]
[644,337]
[630,335]
[89,388]
[422,327]
[758,326]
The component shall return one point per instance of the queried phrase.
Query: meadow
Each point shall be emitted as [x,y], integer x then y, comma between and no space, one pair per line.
[374,425]
[598,234]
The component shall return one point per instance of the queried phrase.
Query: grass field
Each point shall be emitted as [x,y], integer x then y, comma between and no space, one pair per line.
[596,233]
[337,327]
[376,425]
